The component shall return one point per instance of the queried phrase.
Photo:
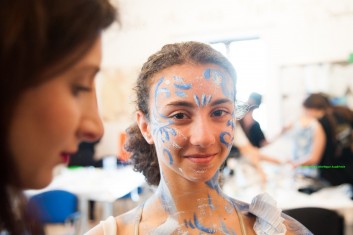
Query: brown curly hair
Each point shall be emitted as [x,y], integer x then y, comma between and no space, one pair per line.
[144,155]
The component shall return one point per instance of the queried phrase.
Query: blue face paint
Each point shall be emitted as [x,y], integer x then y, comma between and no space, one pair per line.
[207,73]
[197,101]
[202,227]
[181,94]
[231,123]
[169,156]
[222,138]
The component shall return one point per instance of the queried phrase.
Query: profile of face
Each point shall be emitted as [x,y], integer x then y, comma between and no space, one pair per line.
[191,119]
[314,113]
[51,119]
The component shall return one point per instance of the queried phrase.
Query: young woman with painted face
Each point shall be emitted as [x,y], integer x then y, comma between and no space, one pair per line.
[50,52]
[185,124]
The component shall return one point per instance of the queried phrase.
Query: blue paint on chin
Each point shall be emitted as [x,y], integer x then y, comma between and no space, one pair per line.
[169,156]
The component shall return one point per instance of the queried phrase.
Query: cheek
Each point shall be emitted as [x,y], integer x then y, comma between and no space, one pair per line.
[226,134]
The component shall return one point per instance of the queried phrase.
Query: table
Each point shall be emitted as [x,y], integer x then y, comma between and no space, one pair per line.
[88,183]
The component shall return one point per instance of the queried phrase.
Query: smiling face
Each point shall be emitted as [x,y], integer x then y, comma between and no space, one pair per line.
[51,119]
[191,119]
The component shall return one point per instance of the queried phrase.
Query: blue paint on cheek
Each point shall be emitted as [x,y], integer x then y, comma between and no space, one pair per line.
[197,101]
[169,156]
[230,123]
[222,138]
[207,73]
[203,228]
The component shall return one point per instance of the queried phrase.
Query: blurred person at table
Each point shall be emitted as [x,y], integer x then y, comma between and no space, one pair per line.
[250,126]
[50,53]
[185,129]
[335,163]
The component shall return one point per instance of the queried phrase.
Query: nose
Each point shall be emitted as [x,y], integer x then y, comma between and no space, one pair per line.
[91,126]
[201,133]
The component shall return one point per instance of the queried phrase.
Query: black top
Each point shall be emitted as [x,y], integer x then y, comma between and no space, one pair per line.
[336,165]
[254,133]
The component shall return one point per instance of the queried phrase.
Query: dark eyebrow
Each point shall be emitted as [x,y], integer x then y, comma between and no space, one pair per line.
[220,101]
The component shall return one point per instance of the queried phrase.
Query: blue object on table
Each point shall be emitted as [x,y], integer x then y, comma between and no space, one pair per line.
[55,206]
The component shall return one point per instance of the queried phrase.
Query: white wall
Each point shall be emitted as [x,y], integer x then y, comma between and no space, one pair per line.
[296,32]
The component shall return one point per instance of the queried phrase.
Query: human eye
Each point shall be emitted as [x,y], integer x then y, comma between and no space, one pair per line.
[78,89]
[179,116]
[219,113]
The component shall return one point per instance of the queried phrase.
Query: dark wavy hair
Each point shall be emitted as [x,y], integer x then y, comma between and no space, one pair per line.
[144,155]
[38,40]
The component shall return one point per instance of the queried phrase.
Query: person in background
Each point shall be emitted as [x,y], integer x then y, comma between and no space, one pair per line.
[337,125]
[308,143]
[50,52]
[250,126]
[186,95]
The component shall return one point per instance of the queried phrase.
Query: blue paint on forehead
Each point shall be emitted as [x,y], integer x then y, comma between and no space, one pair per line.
[181,94]
[183,86]
[207,73]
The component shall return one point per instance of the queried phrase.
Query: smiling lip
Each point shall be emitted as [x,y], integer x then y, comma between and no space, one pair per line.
[201,158]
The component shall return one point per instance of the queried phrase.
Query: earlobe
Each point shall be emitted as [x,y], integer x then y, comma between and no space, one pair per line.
[144,127]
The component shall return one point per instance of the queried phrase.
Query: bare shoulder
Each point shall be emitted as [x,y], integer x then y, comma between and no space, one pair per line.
[126,222]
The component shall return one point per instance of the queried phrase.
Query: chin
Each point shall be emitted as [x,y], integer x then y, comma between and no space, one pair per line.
[40,182]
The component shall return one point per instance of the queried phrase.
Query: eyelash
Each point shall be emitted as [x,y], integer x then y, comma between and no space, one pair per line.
[220,110]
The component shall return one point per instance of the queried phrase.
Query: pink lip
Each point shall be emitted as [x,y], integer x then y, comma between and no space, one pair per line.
[201,158]
[65,157]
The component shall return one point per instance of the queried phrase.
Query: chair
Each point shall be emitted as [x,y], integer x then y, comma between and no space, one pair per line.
[319,221]
[55,206]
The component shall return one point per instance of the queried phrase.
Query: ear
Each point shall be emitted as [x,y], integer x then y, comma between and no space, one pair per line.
[144,127]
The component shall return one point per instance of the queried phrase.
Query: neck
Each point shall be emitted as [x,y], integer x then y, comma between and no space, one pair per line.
[188,195]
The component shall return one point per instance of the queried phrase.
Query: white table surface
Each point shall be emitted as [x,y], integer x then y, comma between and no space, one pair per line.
[103,185]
